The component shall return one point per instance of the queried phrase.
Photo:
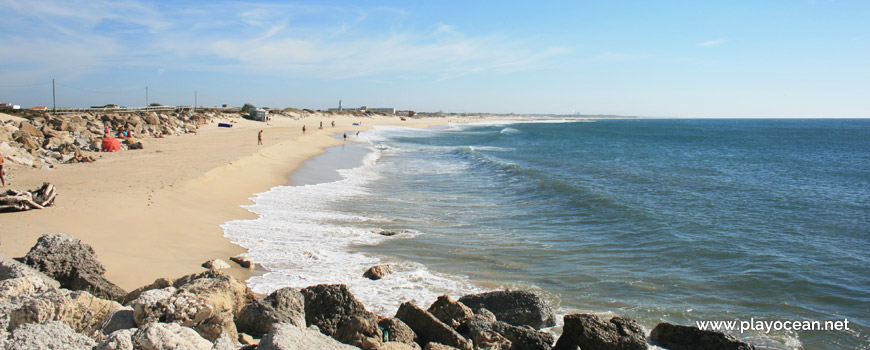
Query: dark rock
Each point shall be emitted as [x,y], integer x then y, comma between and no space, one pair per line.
[119,319]
[243,261]
[378,272]
[451,312]
[590,332]
[518,308]
[397,331]
[283,305]
[361,331]
[429,328]
[676,337]
[72,263]
[524,338]
[328,305]
[480,329]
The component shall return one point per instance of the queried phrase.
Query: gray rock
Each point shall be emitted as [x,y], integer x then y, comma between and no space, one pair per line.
[224,342]
[397,331]
[49,335]
[519,308]
[451,312]
[119,319]
[80,310]
[524,338]
[72,263]
[284,336]
[166,336]
[429,328]
[327,306]
[10,268]
[283,305]
[590,332]
[361,331]
[377,272]
[480,329]
[118,340]
[676,337]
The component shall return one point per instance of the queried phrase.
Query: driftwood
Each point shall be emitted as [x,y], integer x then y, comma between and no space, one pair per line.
[15,200]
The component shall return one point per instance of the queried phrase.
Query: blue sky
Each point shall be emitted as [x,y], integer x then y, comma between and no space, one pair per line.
[797,58]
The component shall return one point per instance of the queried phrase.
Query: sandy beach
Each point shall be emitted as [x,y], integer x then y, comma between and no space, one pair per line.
[157,212]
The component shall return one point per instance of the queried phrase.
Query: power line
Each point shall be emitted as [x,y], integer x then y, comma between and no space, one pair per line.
[27,85]
[112,92]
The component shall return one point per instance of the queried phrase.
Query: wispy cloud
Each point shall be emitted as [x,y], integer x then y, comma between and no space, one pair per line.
[712,43]
[313,40]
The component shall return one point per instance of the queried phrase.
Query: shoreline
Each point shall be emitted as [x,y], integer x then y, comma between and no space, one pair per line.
[158,212]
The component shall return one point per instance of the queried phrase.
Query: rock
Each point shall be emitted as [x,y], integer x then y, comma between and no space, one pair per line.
[222,291]
[399,346]
[378,272]
[361,331]
[243,261]
[118,320]
[30,130]
[217,325]
[438,346]
[526,337]
[149,306]
[519,308]
[28,142]
[152,119]
[283,305]
[216,264]
[284,336]
[429,328]
[118,340]
[159,283]
[676,337]
[451,312]
[397,331]
[160,336]
[10,268]
[590,332]
[247,339]
[80,310]
[328,305]
[72,263]
[132,144]
[224,342]
[49,335]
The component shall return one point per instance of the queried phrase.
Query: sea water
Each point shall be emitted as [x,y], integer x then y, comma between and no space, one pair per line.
[655,220]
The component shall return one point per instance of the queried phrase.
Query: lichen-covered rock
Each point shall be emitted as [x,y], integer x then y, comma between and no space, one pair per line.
[72,263]
[677,337]
[284,336]
[429,328]
[590,332]
[328,305]
[377,272]
[361,331]
[168,336]
[49,335]
[451,312]
[282,305]
[519,308]
[397,331]
[119,340]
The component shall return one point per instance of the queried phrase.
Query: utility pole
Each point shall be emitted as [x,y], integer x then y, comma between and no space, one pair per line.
[53,98]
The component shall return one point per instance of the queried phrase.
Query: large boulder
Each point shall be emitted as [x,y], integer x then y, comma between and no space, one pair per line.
[328,305]
[284,336]
[676,337]
[72,263]
[519,308]
[164,336]
[429,328]
[30,130]
[361,331]
[590,332]
[172,305]
[283,305]
[451,312]
[397,331]
[10,268]
[80,310]
[524,338]
[49,335]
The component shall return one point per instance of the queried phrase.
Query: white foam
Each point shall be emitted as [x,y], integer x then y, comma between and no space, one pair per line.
[303,240]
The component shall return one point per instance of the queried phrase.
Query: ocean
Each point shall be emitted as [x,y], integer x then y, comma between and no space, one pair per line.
[677,220]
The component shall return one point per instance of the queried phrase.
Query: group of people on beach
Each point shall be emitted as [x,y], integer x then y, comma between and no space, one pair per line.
[260,134]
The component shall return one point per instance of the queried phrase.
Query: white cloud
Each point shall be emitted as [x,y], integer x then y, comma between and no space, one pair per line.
[312,40]
[712,43]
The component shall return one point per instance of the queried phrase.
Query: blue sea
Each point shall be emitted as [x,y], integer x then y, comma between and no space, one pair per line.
[677,220]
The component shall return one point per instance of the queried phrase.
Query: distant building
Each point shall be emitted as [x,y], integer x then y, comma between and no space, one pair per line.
[258,114]
[39,108]
[364,109]
[6,105]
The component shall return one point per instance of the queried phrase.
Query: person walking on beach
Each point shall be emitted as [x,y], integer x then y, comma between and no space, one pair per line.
[303,130]
[345,136]
[333,123]
[260,137]
[2,172]
[321,124]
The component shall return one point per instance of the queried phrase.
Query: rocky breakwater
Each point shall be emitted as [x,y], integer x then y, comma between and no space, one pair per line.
[47,140]
[56,298]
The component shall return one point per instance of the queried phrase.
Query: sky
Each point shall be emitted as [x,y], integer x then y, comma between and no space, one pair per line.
[798,58]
